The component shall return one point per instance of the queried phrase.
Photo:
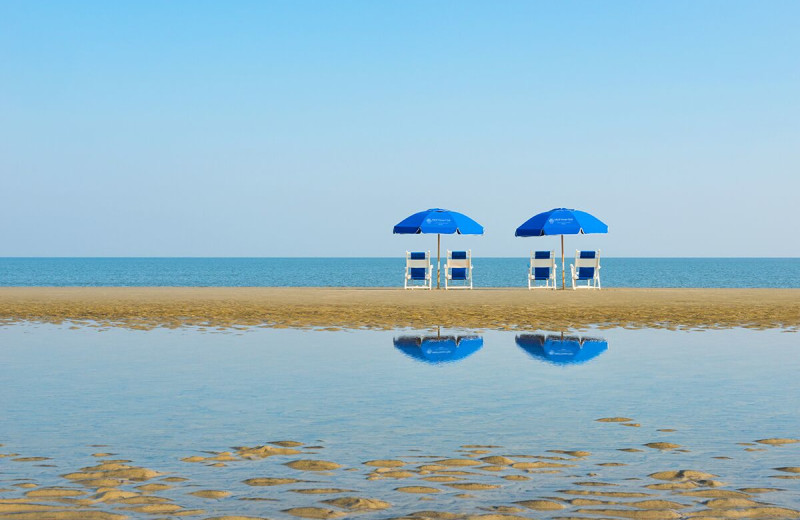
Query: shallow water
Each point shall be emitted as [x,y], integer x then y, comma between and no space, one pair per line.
[381,272]
[155,397]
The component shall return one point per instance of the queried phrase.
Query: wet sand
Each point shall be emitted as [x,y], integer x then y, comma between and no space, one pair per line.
[429,487]
[148,307]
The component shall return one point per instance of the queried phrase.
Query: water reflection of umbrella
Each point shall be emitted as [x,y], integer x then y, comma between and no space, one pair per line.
[438,349]
[439,221]
[561,221]
[562,350]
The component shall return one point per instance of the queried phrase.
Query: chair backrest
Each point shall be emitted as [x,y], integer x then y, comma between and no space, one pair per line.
[586,263]
[459,259]
[417,264]
[542,264]
[418,259]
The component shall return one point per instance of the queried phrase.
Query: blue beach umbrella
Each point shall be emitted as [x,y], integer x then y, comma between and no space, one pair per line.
[561,221]
[561,350]
[438,349]
[439,221]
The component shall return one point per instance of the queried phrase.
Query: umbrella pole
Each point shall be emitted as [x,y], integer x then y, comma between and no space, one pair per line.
[438,256]
[563,274]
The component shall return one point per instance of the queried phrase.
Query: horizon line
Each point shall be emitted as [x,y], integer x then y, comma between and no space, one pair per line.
[352,257]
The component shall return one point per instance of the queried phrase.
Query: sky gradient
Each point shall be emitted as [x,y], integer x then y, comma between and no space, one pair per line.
[298,128]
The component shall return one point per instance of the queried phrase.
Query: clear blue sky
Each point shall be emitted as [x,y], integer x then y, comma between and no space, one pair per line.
[295,128]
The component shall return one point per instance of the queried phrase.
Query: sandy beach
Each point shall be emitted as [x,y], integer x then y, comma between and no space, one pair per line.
[148,307]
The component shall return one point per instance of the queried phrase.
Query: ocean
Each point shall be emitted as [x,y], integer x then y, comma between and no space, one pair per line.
[381,272]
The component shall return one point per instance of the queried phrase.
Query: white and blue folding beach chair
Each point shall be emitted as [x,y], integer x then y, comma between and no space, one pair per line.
[586,269]
[542,269]
[458,268]
[418,270]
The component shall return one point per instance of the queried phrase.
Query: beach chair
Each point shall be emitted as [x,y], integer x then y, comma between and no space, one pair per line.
[418,270]
[586,269]
[542,269]
[458,268]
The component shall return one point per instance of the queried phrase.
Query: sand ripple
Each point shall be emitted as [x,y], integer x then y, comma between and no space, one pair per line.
[210,493]
[358,503]
[313,465]
[683,474]
[777,441]
[385,463]
[321,491]
[268,481]
[417,489]
[541,505]
[314,512]
[638,515]
[662,445]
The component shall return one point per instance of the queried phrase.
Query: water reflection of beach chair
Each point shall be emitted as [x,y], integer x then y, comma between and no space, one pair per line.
[542,269]
[586,269]
[458,268]
[418,270]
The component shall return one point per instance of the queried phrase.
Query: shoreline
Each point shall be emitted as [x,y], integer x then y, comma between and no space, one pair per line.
[382,308]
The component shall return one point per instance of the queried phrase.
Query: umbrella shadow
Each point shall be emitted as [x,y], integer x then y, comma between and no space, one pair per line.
[558,349]
[438,349]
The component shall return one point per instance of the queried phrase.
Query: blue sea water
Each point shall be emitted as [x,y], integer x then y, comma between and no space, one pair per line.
[381,272]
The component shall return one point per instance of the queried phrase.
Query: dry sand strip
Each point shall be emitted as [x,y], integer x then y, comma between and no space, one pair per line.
[148,307]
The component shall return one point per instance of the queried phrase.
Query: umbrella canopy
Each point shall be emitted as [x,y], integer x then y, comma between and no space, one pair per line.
[438,349]
[561,221]
[561,350]
[441,222]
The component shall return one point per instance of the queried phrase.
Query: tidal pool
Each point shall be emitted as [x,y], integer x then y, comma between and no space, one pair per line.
[448,421]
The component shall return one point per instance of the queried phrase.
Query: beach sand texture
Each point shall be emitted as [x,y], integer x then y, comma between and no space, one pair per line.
[148,307]
[504,485]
